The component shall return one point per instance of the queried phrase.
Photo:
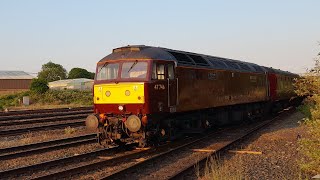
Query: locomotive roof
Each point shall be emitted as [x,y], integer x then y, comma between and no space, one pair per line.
[184,58]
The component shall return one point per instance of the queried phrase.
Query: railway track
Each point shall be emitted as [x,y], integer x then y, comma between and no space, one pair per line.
[94,163]
[112,164]
[21,117]
[30,149]
[11,125]
[184,173]
[44,167]
[42,120]
[19,131]
[42,111]
[95,159]
[186,157]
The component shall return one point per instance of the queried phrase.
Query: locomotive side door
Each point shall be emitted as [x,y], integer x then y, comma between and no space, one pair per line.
[165,86]
[172,86]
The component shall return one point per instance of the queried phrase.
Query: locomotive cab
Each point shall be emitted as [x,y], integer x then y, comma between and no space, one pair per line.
[126,93]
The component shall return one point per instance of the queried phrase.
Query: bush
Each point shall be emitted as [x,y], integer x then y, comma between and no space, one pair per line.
[309,146]
[64,97]
[51,97]
[80,73]
[39,86]
[12,99]
[305,109]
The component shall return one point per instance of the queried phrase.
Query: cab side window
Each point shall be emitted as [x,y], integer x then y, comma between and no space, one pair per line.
[160,71]
[154,71]
[170,71]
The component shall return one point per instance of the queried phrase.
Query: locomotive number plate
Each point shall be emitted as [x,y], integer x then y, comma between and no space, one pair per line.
[159,87]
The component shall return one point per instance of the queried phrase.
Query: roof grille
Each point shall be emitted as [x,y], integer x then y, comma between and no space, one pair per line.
[199,60]
[232,65]
[244,67]
[181,58]
[217,62]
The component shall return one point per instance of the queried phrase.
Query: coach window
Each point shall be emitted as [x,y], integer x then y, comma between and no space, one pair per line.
[170,71]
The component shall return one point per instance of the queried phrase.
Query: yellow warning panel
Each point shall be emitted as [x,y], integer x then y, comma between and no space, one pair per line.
[119,93]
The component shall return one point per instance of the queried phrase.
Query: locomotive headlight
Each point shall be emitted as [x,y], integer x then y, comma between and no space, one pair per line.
[127,93]
[108,93]
[120,108]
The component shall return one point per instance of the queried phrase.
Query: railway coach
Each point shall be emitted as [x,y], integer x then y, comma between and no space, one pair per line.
[145,94]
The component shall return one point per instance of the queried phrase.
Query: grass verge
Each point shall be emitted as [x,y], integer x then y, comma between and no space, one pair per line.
[49,98]
[216,169]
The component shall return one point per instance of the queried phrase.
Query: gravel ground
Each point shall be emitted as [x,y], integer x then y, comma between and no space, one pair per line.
[278,144]
[23,126]
[170,163]
[34,137]
[42,157]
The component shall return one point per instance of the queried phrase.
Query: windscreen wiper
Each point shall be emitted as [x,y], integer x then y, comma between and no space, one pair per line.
[104,65]
[133,65]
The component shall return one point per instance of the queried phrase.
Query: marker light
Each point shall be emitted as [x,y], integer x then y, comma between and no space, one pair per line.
[127,93]
[120,108]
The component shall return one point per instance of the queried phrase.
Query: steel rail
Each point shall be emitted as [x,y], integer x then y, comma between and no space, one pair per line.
[105,162]
[120,174]
[102,163]
[191,167]
[19,112]
[43,120]
[31,169]
[29,149]
[122,159]
[33,116]
[19,131]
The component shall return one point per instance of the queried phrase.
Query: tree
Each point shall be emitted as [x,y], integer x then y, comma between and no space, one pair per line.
[80,73]
[309,85]
[52,72]
[39,86]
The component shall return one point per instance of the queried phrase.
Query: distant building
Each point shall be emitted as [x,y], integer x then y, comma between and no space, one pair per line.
[80,84]
[14,81]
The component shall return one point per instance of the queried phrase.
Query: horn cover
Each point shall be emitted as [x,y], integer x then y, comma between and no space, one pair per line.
[133,123]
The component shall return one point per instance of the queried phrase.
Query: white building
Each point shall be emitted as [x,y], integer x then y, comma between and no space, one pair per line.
[80,84]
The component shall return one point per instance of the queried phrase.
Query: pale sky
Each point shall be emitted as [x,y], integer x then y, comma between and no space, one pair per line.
[76,33]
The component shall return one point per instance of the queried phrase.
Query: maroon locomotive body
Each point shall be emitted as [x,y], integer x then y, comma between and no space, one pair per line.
[143,93]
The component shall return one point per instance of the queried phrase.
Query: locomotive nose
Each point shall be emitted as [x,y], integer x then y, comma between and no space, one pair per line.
[92,122]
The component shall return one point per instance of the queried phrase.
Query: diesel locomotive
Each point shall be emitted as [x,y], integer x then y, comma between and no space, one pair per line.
[145,94]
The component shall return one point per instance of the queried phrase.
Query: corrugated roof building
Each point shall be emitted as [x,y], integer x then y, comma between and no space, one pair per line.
[80,84]
[13,81]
